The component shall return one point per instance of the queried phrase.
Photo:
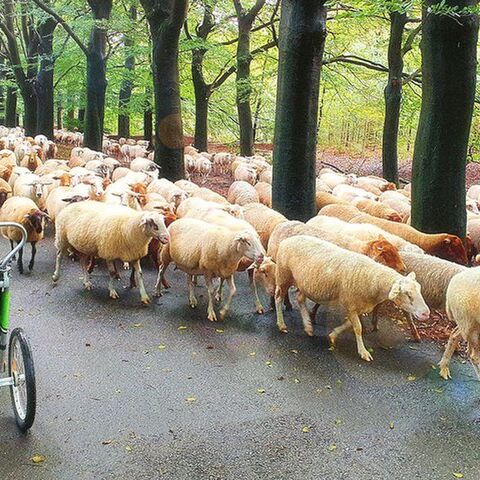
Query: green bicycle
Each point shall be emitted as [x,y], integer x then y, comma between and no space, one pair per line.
[21,372]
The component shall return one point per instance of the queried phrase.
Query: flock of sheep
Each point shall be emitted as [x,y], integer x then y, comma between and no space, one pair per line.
[357,253]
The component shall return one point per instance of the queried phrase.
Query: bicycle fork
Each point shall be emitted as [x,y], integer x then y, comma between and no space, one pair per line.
[4,324]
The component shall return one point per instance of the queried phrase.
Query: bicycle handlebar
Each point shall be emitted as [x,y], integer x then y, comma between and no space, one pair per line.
[11,254]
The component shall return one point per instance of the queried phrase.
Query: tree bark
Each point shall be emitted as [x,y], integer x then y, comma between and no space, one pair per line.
[126,87]
[148,118]
[44,81]
[11,107]
[244,87]
[448,90]
[166,19]
[302,41]
[393,97]
[96,76]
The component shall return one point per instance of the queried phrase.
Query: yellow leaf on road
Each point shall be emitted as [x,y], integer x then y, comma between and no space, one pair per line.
[37,458]
[137,325]
[411,378]
[306,429]
[260,390]
[162,347]
[128,448]
[106,442]
[332,447]
[191,399]
[182,327]
[219,330]
[458,475]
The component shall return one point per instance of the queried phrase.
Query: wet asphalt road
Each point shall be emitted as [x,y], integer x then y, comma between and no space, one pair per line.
[114,378]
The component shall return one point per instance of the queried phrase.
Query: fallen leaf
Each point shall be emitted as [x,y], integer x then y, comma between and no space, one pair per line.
[260,390]
[331,348]
[458,475]
[37,458]
[411,378]
[191,399]
[162,347]
[106,442]
[338,421]
[137,325]
[219,330]
[332,447]
[210,347]
[252,354]
[182,327]
[306,429]
[296,380]
[293,350]
[392,425]
[438,390]
[128,448]
[268,363]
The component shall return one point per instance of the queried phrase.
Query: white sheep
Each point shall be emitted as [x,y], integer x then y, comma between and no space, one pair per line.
[242,193]
[200,248]
[246,173]
[168,190]
[463,308]
[349,193]
[323,272]
[110,232]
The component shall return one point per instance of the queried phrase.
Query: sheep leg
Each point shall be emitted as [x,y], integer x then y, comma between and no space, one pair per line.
[447,355]
[133,283]
[413,328]
[84,262]
[279,296]
[12,246]
[112,272]
[139,279]
[232,290]
[211,290]
[314,311]
[357,329]
[307,321]
[160,279]
[20,260]
[288,303]
[191,292]
[58,261]
[218,294]
[334,334]
[253,285]
[34,252]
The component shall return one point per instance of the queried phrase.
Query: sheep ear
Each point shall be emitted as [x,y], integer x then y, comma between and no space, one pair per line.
[447,240]
[394,291]
[412,276]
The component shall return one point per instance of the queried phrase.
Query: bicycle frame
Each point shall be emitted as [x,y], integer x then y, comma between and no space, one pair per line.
[5,291]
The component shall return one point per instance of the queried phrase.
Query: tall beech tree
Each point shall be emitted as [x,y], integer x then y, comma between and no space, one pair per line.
[95,53]
[24,76]
[126,86]
[449,60]
[44,81]
[302,41]
[165,18]
[393,90]
[245,19]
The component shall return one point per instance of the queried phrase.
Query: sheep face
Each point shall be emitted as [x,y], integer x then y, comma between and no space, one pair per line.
[234,210]
[451,248]
[249,245]
[154,226]
[382,251]
[265,275]
[36,219]
[406,294]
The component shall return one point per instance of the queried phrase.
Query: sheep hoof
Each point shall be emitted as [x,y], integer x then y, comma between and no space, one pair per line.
[30,266]
[260,310]
[55,278]
[146,300]
[223,314]
[88,285]
[114,294]
[445,373]
[212,317]
[218,298]
[332,339]
[283,329]
[193,303]
[157,294]
[365,355]
[309,332]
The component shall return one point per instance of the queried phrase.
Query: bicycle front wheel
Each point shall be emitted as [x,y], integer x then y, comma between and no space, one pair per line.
[21,369]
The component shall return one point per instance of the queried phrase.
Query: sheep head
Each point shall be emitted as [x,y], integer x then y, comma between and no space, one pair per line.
[36,220]
[264,273]
[382,251]
[450,248]
[249,246]
[406,294]
[153,225]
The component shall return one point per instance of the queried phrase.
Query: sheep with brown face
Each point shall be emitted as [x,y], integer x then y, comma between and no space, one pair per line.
[24,211]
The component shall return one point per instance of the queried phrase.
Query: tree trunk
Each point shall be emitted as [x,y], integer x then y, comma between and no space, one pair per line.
[59,116]
[165,25]
[448,90]
[29,109]
[96,77]
[11,107]
[244,87]
[202,97]
[44,80]
[302,41]
[393,98]
[127,84]
[148,118]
